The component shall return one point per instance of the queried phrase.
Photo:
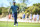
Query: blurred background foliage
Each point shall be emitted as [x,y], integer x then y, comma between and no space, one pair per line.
[22,7]
[33,9]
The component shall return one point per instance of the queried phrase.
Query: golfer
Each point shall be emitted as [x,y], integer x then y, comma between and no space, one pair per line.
[14,9]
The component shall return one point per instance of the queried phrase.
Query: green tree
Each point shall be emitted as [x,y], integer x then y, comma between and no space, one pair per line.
[13,0]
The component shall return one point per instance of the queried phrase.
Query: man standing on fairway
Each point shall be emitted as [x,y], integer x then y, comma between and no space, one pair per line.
[14,12]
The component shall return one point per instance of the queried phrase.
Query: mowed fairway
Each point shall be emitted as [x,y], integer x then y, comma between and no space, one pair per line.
[20,24]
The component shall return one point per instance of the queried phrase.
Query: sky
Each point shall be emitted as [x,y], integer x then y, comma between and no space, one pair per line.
[29,2]
[7,2]
[4,3]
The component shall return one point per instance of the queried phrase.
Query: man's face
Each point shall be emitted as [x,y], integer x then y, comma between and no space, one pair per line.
[13,3]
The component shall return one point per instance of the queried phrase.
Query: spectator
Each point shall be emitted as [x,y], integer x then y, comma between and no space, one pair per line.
[23,16]
[34,17]
[27,16]
[31,17]
[37,17]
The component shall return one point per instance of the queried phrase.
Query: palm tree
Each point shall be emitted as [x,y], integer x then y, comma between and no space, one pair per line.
[25,1]
[13,0]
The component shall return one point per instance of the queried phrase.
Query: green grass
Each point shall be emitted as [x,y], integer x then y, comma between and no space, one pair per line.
[20,24]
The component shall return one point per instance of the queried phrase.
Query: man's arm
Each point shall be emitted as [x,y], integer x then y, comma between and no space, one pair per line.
[9,9]
[18,8]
